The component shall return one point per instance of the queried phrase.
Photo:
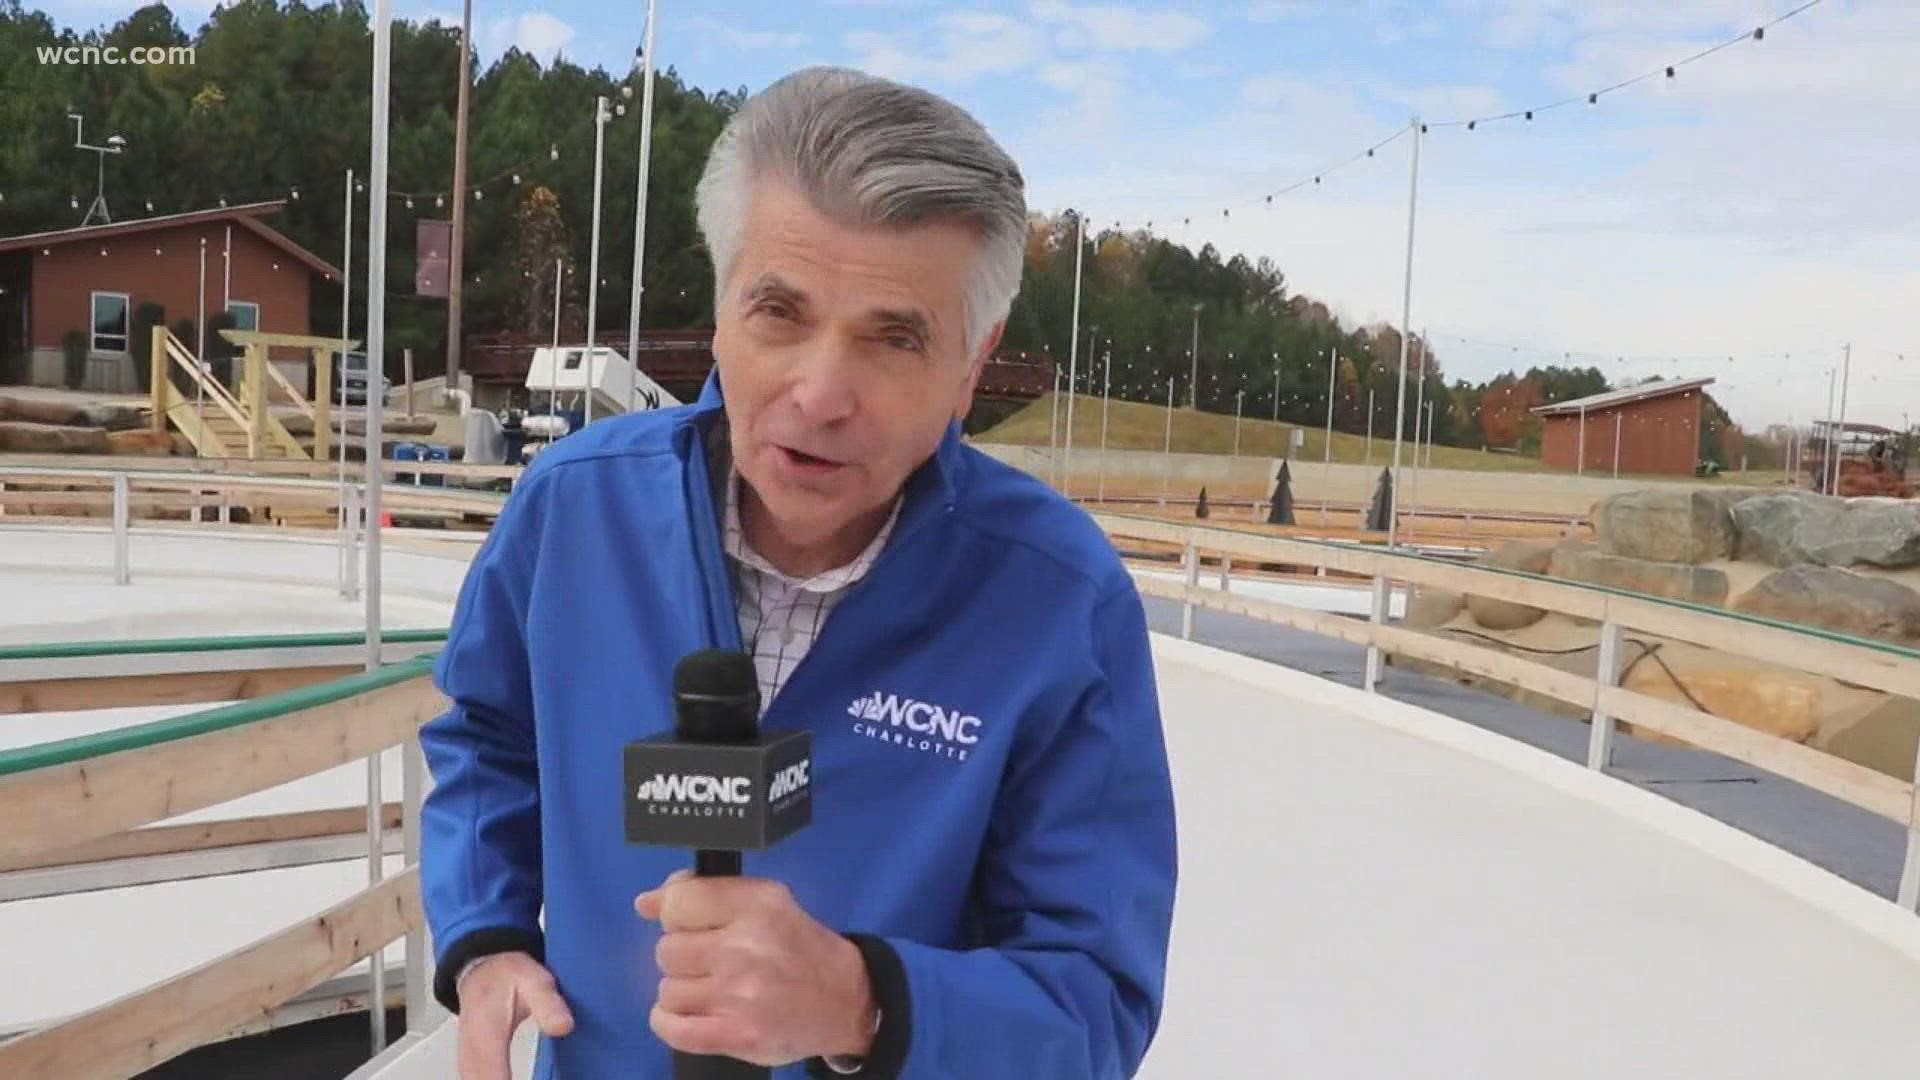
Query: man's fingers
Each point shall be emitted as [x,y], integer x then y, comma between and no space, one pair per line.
[700,1034]
[648,903]
[689,997]
[485,1030]
[691,953]
[698,903]
[547,1008]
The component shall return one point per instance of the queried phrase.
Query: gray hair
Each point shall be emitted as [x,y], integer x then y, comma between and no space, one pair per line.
[870,152]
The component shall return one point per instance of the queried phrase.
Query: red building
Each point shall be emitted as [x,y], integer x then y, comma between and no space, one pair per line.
[1650,428]
[93,279]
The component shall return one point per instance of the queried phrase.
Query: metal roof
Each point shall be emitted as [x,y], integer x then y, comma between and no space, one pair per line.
[246,216]
[1626,396]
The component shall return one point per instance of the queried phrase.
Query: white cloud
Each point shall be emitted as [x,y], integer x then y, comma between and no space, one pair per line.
[740,39]
[965,45]
[1120,28]
[1448,102]
[1269,11]
[538,34]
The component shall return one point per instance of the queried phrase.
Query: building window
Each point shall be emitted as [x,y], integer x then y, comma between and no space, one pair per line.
[246,314]
[110,322]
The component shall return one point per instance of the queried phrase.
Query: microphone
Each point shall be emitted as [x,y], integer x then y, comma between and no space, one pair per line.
[719,785]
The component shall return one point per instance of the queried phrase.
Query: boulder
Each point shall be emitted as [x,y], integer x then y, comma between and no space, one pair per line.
[1667,526]
[1430,607]
[1871,531]
[1765,525]
[1781,703]
[1528,556]
[1883,735]
[113,417]
[40,411]
[1675,581]
[141,443]
[1839,600]
[21,437]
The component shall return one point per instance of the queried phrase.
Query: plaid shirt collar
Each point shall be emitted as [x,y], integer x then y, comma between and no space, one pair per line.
[827,581]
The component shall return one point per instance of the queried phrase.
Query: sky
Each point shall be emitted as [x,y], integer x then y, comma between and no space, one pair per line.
[1745,219]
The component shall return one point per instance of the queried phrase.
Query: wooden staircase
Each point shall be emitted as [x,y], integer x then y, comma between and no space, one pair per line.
[219,422]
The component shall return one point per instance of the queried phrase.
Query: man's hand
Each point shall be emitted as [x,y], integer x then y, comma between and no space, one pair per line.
[494,998]
[748,974]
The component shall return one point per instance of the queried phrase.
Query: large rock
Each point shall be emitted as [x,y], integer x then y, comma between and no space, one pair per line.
[1839,600]
[1765,525]
[41,411]
[1883,735]
[20,437]
[1528,556]
[1885,534]
[1430,607]
[1675,581]
[1667,526]
[1782,703]
[141,443]
[113,417]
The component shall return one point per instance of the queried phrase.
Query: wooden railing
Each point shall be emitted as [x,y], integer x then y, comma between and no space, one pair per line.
[81,800]
[1876,665]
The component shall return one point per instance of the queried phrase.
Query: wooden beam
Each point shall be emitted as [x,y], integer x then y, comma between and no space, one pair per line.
[141,1030]
[63,805]
[1890,797]
[245,338]
[174,688]
[206,835]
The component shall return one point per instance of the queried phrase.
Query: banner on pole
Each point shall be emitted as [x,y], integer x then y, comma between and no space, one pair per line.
[433,244]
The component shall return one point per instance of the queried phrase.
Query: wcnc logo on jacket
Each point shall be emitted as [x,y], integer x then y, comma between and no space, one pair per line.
[929,728]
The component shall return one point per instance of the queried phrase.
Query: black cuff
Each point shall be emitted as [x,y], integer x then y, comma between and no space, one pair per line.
[472,947]
[888,978]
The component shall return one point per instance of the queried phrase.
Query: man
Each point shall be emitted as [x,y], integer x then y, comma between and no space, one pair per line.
[987,886]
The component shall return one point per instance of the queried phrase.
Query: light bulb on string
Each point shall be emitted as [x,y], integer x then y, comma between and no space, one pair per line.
[1593,99]
[73,201]
[296,194]
[439,201]
[516,179]
[409,202]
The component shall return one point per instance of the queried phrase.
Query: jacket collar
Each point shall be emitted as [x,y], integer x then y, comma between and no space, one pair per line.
[931,489]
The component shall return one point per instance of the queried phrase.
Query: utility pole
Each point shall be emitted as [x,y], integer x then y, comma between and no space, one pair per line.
[456,249]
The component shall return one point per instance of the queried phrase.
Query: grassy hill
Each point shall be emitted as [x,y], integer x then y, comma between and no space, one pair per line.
[1135,426]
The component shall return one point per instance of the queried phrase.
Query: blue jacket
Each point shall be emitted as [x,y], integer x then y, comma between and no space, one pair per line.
[1016,871]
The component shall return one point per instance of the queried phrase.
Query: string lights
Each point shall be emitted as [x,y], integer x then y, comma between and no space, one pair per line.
[1525,115]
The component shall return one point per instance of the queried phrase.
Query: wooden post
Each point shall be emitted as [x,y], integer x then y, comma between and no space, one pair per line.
[323,401]
[157,379]
[1606,674]
[256,368]
[406,363]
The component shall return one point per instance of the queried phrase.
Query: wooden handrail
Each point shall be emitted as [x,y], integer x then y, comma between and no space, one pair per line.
[216,392]
[58,806]
[299,399]
[141,1030]
[209,835]
[1888,669]
[1883,795]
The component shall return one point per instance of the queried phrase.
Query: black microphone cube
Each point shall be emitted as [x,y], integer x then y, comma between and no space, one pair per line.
[742,796]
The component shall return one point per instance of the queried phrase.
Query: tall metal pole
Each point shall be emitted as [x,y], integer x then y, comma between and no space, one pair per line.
[1193,376]
[1369,425]
[1166,456]
[1580,454]
[1239,398]
[553,357]
[1073,353]
[640,207]
[1106,398]
[1406,322]
[1326,465]
[340,376]
[1419,413]
[1276,390]
[593,249]
[1839,438]
[1618,416]
[1429,434]
[1826,444]
[1053,430]
[456,249]
[200,351]
[376,344]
